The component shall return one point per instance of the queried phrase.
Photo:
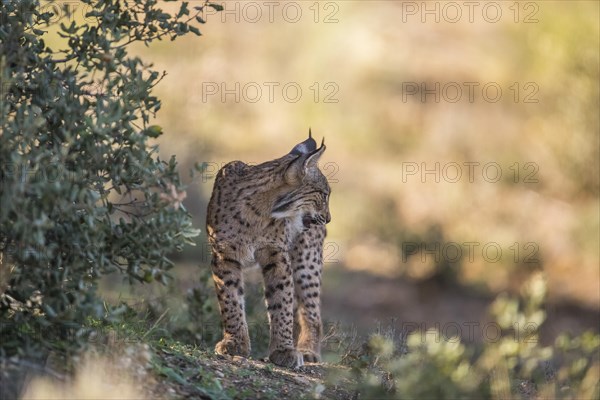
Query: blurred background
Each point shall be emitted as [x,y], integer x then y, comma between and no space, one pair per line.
[462,146]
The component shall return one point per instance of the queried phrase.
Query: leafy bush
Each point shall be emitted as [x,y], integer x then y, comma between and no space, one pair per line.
[83,192]
[515,365]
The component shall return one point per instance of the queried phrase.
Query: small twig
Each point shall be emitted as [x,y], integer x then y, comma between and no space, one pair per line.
[119,266]
[164,73]
[63,60]
[131,203]
[155,324]
[161,34]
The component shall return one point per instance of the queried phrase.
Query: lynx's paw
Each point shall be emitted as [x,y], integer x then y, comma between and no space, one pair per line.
[289,358]
[232,347]
[310,356]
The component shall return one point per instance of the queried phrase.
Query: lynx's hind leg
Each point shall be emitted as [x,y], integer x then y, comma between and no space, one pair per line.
[227,275]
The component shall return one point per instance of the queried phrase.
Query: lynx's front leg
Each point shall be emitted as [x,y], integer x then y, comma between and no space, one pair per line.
[307,262]
[227,275]
[279,295]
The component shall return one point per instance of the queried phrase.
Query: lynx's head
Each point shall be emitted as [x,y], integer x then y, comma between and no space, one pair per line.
[306,190]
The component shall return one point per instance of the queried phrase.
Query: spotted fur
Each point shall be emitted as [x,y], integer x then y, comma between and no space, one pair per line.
[273,215]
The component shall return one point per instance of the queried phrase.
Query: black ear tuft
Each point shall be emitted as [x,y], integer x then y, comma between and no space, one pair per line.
[306,147]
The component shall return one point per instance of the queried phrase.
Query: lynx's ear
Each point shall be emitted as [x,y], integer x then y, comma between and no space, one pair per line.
[306,147]
[313,158]
[302,165]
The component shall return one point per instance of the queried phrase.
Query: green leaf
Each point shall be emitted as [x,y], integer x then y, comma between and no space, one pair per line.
[49,311]
[153,131]
[195,30]
[216,6]
[183,10]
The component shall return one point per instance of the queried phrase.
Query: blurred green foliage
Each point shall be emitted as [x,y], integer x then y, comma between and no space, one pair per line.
[514,365]
[83,193]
